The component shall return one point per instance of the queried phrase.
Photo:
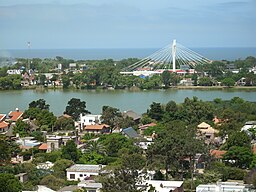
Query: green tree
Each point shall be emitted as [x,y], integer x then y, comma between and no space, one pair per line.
[76,107]
[64,123]
[166,78]
[40,104]
[92,158]
[228,82]
[155,111]
[60,167]
[7,149]
[52,182]
[114,142]
[205,81]
[69,151]
[111,116]
[65,81]
[125,176]
[9,183]
[239,156]
[238,139]
[22,128]
[45,118]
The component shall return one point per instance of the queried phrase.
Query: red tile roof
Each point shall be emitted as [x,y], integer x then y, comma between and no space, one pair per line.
[2,117]
[3,124]
[217,153]
[147,126]
[43,146]
[96,127]
[15,115]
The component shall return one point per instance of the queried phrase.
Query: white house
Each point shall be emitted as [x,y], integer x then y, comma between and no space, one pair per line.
[164,186]
[82,172]
[89,119]
[223,187]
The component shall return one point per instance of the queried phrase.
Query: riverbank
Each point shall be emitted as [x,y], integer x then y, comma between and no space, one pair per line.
[245,88]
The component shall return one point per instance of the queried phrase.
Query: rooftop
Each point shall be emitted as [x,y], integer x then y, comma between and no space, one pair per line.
[85,168]
[15,115]
[130,132]
[96,127]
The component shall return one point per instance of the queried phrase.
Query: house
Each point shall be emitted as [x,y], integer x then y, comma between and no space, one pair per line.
[217,154]
[207,131]
[249,125]
[136,117]
[4,126]
[13,71]
[164,186]
[223,187]
[90,186]
[43,147]
[186,82]
[23,177]
[89,119]
[56,142]
[27,142]
[15,115]
[130,133]
[82,172]
[142,128]
[97,129]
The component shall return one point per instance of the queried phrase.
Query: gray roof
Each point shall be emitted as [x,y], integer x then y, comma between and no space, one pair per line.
[85,168]
[132,114]
[69,188]
[130,132]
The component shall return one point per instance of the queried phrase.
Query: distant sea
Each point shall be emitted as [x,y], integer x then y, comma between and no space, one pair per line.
[118,54]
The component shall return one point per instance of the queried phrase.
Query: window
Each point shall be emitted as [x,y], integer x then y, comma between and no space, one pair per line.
[72,176]
[81,175]
[90,120]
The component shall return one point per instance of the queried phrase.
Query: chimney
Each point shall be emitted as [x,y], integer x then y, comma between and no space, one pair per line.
[17,109]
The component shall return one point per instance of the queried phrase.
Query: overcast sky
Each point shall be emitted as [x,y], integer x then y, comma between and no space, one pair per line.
[126,23]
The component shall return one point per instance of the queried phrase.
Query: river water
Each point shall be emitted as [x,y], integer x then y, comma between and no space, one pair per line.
[124,100]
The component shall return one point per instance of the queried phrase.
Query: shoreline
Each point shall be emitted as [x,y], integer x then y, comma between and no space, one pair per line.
[179,87]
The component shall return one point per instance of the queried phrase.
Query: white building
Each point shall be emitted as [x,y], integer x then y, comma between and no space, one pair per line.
[164,186]
[81,172]
[14,72]
[89,119]
[90,186]
[222,187]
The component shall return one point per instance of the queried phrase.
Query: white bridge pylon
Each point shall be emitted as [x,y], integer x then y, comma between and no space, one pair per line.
[168,58]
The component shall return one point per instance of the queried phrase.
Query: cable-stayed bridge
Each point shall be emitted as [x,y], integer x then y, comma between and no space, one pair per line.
[168,58]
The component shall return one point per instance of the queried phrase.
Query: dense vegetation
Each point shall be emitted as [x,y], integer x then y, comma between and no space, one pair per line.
[174,148]
[88,74]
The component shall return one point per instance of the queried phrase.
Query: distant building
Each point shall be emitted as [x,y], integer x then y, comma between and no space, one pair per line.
[90,186]
[163,186]
[223,187]
[142,128]
[56,142]
[130,133]
[15,115]
[97,129]
[136,117]
[23,177]
[82,172]
[4,126]
[14,72]
[207,131]
[90,119]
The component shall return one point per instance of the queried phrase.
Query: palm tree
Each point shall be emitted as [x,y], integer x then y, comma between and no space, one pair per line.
[95,146]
